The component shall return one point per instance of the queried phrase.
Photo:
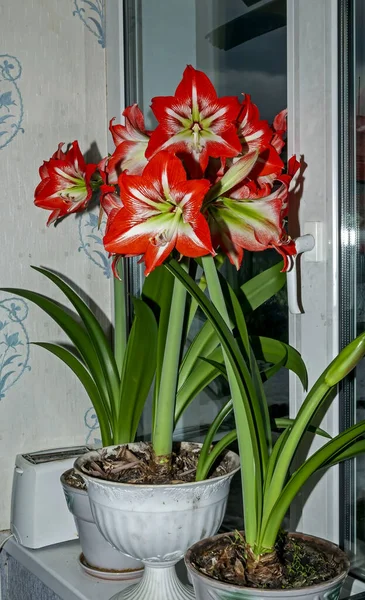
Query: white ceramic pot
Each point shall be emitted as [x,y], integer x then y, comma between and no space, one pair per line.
[101,558]
[157,523]
[207,588]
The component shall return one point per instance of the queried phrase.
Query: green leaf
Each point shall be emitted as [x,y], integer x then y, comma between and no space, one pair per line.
[91,389]
[202,345]
[216,451]
[347,360]
[253,294]
[316,398]
[261,288]
[242,394]
[200,377]
[323,457]
[139,368]
[97,336]
[274,351]
[76,333]
[203,463]
[284,422]
[157,293]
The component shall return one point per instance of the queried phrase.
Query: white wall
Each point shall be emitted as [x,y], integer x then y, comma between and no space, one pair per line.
[61,93]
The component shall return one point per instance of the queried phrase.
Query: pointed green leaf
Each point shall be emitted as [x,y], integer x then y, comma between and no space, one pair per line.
[157,293]
[274,351]
[200,377]
[92,391]
[315,462]
[203,464]
[76,333]
[284,422]
[97,336]
[139,368]
[253,294]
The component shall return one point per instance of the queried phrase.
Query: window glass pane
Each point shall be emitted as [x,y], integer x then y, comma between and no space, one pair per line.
[352,299]
[242,48]
[360,270]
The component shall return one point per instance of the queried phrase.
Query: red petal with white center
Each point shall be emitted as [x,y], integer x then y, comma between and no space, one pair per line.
[195,124]
[253,133]
[65,185]
[161,211]
[194,240]
[280,126]
[268,163]
[134,129]
[287,249]
[128,156]
[165,169]
[110,201]
[250,225]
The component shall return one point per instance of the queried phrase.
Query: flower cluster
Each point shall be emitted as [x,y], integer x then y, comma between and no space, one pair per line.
[209,178]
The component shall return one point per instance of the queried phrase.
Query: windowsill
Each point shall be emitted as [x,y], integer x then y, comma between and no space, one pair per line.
[58,568]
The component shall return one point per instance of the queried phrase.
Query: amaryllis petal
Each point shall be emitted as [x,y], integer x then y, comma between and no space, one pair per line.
[287,249]
[268,163]
[65,187]
[254,134]
[110,202]
[243,219]
[134,129]
[128,156]
[279,126]
[131,142]
[161,211]
[194,123]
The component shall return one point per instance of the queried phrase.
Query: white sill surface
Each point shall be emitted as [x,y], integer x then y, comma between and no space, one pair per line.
[58,568]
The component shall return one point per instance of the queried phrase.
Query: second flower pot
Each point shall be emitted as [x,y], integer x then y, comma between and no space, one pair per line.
[99,557]
[208,588]
[157,523]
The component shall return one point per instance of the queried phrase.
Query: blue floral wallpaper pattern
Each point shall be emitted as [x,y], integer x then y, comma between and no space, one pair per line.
[92,15]
[91,241]
[11,102]
[92,424]
[14,342]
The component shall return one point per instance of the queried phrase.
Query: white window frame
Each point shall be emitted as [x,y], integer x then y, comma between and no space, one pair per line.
[313,134]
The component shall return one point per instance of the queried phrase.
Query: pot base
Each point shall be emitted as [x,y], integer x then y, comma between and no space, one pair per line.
[109,574]
[159,582]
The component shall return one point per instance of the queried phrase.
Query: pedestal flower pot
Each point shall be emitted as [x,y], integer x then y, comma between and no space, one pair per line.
[207,588]
[98,556]
[157,523]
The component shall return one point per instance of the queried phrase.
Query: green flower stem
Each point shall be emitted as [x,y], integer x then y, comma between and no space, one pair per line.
[120,321]
[165,410]
[249,474]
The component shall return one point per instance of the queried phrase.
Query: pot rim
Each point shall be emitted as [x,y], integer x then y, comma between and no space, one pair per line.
[149,486]
[230,587]
[64,483]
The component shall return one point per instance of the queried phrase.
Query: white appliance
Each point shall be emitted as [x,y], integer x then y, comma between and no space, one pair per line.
[39,513]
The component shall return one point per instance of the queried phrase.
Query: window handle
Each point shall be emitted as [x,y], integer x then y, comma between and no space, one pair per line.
[303,243]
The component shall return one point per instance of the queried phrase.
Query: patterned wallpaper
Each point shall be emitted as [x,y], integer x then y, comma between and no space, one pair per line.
[52,89]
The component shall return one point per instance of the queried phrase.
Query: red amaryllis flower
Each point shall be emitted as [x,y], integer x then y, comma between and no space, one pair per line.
[195,124]
[131,142]
[244,220]
[65,187]
[161,212]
